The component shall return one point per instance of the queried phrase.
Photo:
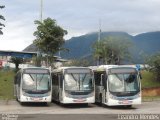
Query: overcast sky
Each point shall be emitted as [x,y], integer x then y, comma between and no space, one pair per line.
[78,17]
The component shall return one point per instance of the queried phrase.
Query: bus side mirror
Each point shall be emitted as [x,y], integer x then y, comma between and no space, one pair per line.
[48,85]
[140,76]
[91,82]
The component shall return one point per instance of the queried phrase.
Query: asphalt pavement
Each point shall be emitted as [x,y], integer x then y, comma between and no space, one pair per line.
[54,111]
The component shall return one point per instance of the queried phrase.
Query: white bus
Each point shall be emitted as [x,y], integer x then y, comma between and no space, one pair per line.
[117,85]
[33,84]
[73,85]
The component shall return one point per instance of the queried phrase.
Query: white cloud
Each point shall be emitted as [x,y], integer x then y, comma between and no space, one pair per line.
[17,35]
[78,17]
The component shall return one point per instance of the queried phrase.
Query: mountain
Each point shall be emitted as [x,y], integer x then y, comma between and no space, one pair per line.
[145,44]
[81,47]
[31,48]
[148,42]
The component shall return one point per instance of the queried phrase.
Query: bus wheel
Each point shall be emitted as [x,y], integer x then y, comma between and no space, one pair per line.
[22,103]
[16,98]
[47,103]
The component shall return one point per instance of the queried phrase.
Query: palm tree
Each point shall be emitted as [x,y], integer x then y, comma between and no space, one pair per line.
[1,18]
[112,49]
[16,61]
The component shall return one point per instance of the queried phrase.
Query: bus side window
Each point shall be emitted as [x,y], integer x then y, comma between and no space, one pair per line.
[52,78]
[103,80]
[97,77]
[61,80]
[18,79]
[55,79]
[15,79]
[102,77]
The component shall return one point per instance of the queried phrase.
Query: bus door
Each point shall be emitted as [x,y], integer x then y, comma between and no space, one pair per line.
[104,86]
[18,85]
[55,86]
[99,85]
[60,82]
[15,86]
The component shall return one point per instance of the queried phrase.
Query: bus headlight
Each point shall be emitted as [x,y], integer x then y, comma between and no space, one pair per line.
[23,93]
[48,94]
[91,94]
[67,94]
[112,97]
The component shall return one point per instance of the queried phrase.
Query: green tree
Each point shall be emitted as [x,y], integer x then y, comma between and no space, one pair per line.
[16,61]
[36,60]
[154,63]
[75,62]
[1,18]
[112,49]
[49,37]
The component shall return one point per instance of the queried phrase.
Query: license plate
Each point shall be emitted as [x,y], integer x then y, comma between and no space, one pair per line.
[79,100]
[35,99]
[125,102]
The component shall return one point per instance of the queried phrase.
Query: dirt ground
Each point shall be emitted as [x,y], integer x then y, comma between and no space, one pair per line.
[151,91]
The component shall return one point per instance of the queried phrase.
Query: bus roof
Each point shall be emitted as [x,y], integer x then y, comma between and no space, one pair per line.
[106,67]
[60,69]
[21,70]
[102,67]
[34,68]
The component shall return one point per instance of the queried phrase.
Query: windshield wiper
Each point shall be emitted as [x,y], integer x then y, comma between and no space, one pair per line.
[41,78]
[118,77]
[31,77]
[84,78]
[74,78]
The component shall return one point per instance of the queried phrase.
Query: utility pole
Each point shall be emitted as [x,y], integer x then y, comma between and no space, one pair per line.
[39,58]
[41,11]
[99,38]
[99,33]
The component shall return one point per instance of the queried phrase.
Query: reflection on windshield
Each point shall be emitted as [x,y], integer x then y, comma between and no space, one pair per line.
[79,81]
[36,82]
[123,83]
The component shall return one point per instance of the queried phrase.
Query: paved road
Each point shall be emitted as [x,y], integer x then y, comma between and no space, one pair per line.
[78,112]
[61,117]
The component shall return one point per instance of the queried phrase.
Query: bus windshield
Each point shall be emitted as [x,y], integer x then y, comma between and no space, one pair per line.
[36,82]
[78,81]
[123,83]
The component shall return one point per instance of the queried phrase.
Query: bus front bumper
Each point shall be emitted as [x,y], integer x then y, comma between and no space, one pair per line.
[67,100]
[35,99]
[112,102]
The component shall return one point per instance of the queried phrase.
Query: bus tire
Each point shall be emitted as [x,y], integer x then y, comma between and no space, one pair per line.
[22,103]
[17,99]
[47,103]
